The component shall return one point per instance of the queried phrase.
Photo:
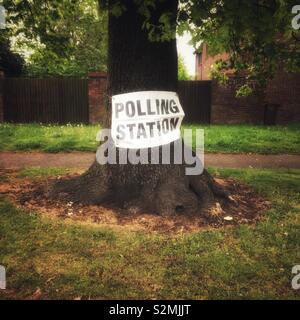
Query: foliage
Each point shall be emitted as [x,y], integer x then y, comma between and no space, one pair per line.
[216,71]
[258,34]
[182,70]
[244,91]
[10,62]
[59,37]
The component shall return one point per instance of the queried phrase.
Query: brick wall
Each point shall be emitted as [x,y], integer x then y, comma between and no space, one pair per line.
[283,91]
[97,95]
[226,108]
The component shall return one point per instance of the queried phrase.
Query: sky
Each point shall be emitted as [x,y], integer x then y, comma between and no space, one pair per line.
[187,52]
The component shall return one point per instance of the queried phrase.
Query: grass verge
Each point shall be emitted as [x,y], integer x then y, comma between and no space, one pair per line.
[218,138]
[56,259]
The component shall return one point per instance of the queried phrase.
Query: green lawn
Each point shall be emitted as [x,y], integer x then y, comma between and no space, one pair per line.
[68,259]
[218,138]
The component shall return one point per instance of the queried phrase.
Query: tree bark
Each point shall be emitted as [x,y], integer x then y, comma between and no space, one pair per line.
[137,64]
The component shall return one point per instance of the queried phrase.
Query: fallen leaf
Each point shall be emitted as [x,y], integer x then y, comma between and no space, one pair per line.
[37,294]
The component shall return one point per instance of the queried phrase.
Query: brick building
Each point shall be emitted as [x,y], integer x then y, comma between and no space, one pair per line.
[278,103]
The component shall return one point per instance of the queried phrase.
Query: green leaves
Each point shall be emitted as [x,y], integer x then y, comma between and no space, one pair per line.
[59,37]
[117,8]
[244,91]
[182,70]
[257,34]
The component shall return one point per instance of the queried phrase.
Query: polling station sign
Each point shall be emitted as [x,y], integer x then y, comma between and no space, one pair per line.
[145,119]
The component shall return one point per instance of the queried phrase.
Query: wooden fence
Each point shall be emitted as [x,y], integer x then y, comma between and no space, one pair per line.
[45,100]
[195,97]
[67,100]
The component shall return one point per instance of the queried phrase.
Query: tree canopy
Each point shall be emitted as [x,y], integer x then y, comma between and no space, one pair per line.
[58,37]
[69,36]
[257,34]
[182,70]
[10,62]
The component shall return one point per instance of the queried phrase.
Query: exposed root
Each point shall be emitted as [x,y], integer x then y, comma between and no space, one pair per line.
[246,206]
[89,188]
[165,189]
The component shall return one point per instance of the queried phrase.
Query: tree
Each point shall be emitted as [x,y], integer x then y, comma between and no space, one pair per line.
[142,56]
[257,34]
[10,62]
[59,38]
[182,70]
[136,64]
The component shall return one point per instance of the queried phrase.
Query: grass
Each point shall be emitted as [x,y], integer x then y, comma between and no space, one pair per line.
[218,138]
[36,172]
[48,138]
[270,183]
[68,259]
[251,138]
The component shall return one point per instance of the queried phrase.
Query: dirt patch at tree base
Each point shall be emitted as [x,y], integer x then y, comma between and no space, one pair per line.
[245,207]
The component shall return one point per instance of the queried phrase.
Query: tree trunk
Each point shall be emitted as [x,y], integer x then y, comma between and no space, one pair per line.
[137,64]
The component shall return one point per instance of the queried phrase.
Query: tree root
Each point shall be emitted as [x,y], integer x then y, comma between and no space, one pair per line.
[164,189]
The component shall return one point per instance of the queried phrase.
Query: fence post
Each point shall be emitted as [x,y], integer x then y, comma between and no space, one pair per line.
[1,96]
[97,91]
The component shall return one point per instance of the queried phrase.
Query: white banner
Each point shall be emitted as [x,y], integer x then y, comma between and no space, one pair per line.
[145,119]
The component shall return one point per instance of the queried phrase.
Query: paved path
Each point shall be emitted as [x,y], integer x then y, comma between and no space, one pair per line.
[15,160]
